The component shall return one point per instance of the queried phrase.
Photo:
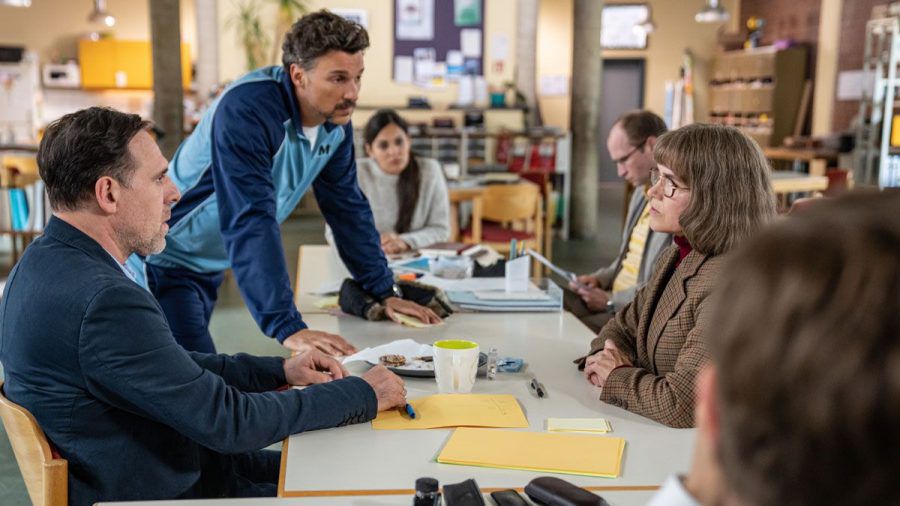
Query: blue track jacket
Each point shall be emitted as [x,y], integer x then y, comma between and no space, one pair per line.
[241,173]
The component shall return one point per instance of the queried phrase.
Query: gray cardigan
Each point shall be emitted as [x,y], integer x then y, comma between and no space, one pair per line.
[655,244]
[431,218]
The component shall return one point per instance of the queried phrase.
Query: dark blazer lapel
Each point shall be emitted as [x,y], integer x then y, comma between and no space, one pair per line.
[671,297]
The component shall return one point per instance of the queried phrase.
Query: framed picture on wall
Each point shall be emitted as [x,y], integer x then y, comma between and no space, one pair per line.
[360,16]
[622,26]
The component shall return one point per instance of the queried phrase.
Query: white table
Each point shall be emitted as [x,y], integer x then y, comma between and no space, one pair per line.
[639,498]
[316,264]
[358,460]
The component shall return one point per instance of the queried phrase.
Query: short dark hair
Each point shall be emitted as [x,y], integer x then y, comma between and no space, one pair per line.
[80,148]
[411,177]
[316,34]
[808,357]
[640,125]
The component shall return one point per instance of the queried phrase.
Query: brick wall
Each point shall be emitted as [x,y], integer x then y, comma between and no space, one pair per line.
[854,16]
[797,20]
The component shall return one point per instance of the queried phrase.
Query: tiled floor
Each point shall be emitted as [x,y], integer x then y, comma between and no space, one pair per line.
[234,330]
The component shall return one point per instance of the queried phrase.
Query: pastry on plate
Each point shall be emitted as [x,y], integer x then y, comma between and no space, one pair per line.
[392,360]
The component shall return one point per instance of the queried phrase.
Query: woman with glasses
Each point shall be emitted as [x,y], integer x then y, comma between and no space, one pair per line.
[408,194]
[711,190]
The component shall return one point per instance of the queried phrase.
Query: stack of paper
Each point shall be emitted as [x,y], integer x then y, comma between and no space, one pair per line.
[455,410]
[586,425]
[535,451]
[532,300]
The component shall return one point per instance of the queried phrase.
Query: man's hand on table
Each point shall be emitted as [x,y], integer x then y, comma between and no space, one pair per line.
[307,339]
[389,388]
[394,305]
[311,367]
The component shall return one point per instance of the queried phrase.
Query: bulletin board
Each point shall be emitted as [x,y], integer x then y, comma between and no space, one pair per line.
[427,32]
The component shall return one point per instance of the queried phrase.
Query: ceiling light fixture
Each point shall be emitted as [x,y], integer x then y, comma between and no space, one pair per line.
[712,12]
[100,14]
[16,3]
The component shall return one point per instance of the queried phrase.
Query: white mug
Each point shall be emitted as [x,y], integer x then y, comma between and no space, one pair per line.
[455,365]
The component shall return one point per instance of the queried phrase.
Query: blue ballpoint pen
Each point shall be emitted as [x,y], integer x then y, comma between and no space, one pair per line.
[410,411]
[512,249]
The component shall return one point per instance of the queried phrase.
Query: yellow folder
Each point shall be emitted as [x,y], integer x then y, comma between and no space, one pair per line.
[455,410]
[535,451]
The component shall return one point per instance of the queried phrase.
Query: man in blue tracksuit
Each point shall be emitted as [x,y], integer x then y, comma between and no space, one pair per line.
[270,136]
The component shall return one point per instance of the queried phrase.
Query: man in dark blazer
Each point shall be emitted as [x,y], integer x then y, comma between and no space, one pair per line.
[89,353]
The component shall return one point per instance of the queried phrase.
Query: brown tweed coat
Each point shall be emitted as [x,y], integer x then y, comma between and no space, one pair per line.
[662,331]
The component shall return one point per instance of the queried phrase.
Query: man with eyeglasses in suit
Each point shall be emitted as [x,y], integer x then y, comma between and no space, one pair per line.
[598,295]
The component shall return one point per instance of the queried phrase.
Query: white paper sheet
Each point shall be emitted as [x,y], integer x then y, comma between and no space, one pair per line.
[470,42]
[406,347]
[415,19]
[403,69]
[464,285]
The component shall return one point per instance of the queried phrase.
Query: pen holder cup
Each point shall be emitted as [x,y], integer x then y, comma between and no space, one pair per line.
[517,273]
[455,365]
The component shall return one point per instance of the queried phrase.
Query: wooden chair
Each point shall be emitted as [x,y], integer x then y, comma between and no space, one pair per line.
[46,477]
[542,179]
[510,211]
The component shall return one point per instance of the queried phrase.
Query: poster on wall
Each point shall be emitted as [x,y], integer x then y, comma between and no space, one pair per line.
[359,16]
[415,19]
[617,26]
[467,12]
[441,51]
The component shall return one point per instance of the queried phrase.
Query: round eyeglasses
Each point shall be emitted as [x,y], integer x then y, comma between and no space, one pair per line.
[669,186]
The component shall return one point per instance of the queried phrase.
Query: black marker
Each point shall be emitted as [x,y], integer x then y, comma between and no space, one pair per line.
[537,387]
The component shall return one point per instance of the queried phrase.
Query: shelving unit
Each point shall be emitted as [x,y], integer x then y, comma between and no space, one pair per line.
[759,91]
[877,161]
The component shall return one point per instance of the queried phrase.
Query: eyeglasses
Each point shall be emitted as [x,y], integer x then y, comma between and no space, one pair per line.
[669,186]
[622,160]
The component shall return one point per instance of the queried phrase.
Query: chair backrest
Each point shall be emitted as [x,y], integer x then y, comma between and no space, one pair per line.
[511,202]
[46,478]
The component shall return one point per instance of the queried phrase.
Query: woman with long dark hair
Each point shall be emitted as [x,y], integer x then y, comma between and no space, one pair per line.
[408,194]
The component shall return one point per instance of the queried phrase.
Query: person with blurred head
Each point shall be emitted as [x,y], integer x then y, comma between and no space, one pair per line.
[711,191]
[88,352]
[598,295]
[801,401]
[408,193]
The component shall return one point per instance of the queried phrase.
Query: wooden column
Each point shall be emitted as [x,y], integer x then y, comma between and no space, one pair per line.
[587,65]
[207,19]
[168,111]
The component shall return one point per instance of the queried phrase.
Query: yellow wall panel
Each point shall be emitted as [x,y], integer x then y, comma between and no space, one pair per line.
[97,63]
[124,64]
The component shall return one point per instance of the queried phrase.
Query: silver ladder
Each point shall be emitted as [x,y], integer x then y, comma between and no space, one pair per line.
[882,53]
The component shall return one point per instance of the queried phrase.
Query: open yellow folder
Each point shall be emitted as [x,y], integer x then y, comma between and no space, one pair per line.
[455,410]
[535,451]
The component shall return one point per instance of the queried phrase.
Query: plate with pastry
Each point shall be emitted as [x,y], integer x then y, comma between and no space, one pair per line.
[417,366]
